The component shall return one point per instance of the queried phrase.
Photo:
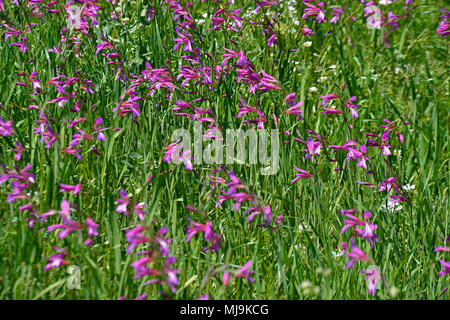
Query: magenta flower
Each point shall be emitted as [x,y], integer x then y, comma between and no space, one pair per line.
[327,98]
[245,108]
[6,128]
[314,11]
[99,129]
[267,82]
[245,272]
[210,236]
[92,227]
[67,228]
[372,278]
[337,13]
[351,106]
[230,54]
[18,151]
[56,260]
[307,31]
[184,38]
[302,174]
[22,44]
[445,268]
[225,279]
[313,148]
[70,188]
[356,254]
[135,237]
[362,228]
[173,154]
[139,210]
[444,25]
[103,45]
[295,109]
[388,184]
[330,111]
[254,211]
[92,231]
[123,202]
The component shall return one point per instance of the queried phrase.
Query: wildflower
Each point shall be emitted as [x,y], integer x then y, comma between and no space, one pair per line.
[314,11]
[69,188]
[183,38]
[123,202]
[267,82]
[97,128]
[307,31]
[92,228]
[372,278]
[307,44]
[139,210]
[327,98]
[313,148]
[330,111]
[388,184]
[302,174]
[135,237]
[391,207]
[18,151]
[445,268]
[356,254]
[408,187]
[444,25]
[254,211]
[67,228]
[6,128]
[337,12]
[103,45]
[351,106]
[225,279]
[368,228]
[244,272]
[210,236]
[295,110]
[57,259]
[173,153]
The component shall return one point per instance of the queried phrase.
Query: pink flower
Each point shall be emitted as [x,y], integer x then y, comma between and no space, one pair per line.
[56,260]
[302,174]
[6,128]
[244,272]
[372,278]
[210,235]
[123,202]
[70,188]
[356,254]
[314,11]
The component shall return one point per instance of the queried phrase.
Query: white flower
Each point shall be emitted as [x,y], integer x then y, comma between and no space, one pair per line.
[391,207]
[322,79]
[333,66]
[337,253]
[385,2]
[408,187]
[307,44]
[312,89]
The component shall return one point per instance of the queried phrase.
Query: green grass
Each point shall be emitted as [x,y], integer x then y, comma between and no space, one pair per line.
[408,81]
